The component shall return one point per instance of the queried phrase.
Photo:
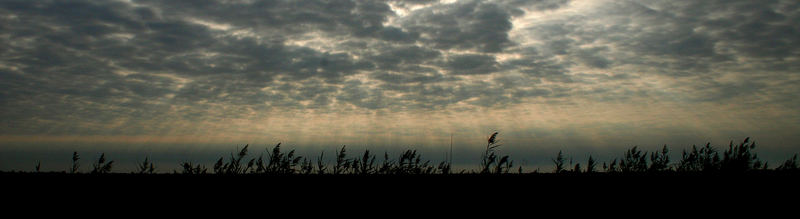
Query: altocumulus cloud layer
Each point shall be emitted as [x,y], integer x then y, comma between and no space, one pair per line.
[555,72]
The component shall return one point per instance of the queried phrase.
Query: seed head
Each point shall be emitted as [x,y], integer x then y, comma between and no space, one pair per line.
[492,138]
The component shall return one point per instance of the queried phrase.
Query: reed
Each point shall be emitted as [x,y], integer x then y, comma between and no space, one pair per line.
[736,159]
[101,166]
[491,162]
[75,164]
[146,167]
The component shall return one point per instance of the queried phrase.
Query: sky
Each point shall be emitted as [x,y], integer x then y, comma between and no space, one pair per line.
[177,79]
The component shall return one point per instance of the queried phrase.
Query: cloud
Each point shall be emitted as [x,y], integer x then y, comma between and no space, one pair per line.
[284,18]
[464,25]
[471,64]
[404,57]
[109,66]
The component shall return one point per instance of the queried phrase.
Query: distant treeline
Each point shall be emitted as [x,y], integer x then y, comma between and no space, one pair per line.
[736,159]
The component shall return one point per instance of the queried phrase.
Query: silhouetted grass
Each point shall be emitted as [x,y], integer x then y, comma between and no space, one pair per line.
[192,169]
[491,163]
[737,159]
[789,165]
[234,165]
[590,165]
[559,163]
[146,167]
[102,166]
[75,164]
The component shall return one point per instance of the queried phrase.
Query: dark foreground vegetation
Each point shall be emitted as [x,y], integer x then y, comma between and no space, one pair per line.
[736,159]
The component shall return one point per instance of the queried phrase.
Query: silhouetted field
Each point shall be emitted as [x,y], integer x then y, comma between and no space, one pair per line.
[738,159]
[699,175]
